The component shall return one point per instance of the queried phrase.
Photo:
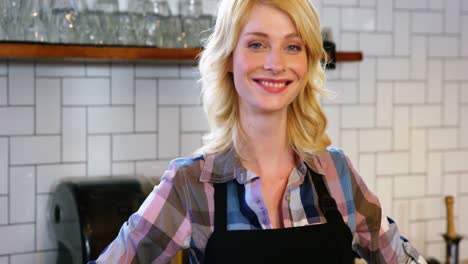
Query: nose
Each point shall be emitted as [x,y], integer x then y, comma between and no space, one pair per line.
[275,62]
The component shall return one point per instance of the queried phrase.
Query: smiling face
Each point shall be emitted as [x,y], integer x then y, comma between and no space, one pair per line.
[269,62]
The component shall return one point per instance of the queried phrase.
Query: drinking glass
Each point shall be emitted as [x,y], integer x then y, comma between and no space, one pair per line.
[3,34]
[195,28]
[62,21]
[194,23]
[12,23]
[158,21]
[126,33]
[108,20]
[137,13]
[33,26]
[190,8]
[89,27]
[3,19]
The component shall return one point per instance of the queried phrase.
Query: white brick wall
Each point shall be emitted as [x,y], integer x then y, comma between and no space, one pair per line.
[20,239]
[384,15]
[434,173]
[3,91]
[443,46]
[21,83]
[376,44]
[34,150]
[22,194]
[110,119]
[406,186]
[4,208]
[49,175]
[401,115]
[401,129]
[358,116]
[426,115]
[455,70]
[358,19]
[146,106]
[48,106]
[168,134]
[375,140]
[86,91]
[393,69]
[414,4]
[385,96]
[402,33]
[464,36]
[16,121]
[181,92]
[45,240]
[134,147]
[434,81]
[97,69]
[393,163]
[74,134]
[4,165]
[431,23]
[67,69]
[452,16]
[99,155]
[410,92]
[122,83]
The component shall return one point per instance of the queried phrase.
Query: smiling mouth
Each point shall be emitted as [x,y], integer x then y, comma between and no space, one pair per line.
[272,84]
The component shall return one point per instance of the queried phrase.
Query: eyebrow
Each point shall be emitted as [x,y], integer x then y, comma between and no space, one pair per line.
[261,34]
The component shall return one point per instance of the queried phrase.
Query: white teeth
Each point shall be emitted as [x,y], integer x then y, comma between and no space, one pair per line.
[274,85]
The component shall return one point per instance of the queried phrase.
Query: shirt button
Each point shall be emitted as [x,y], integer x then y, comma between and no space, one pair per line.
[287,197]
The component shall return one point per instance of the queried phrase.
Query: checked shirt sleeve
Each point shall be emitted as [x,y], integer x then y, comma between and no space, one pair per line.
[157,231]
[376,237]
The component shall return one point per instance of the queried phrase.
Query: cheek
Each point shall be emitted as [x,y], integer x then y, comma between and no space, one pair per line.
[299,65]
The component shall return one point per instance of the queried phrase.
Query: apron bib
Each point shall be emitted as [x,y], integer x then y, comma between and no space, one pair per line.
[328,243]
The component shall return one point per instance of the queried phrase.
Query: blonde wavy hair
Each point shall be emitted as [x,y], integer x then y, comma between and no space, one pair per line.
[306,122]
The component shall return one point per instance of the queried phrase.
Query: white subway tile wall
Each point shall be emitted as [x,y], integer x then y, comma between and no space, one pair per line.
[48,106]
[401,115]
[3,90]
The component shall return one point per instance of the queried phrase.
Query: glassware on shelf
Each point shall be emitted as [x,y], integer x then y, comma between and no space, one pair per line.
[190,8]
[3,19]
[107,9]
[3,33]
[33,26]
[195,28]
[194,23]
[136,9]
[161,28]
[89,27]
[126,32]
[12,23]
[63,21]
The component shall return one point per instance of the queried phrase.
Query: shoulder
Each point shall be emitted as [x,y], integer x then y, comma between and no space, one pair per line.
[331,156]
[336,152]
[183,169]
[335,158]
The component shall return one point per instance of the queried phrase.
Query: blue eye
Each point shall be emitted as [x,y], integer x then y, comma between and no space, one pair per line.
[294,48]
[255,45]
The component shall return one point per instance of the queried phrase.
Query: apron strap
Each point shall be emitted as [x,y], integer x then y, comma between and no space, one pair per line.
[326,203]
[220,207]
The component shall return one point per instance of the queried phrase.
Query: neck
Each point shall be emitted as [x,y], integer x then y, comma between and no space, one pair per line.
[264,144]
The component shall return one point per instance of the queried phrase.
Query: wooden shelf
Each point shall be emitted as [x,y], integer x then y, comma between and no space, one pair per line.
[25,50]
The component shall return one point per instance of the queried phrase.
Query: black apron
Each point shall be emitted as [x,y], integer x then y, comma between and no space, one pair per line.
[328,243]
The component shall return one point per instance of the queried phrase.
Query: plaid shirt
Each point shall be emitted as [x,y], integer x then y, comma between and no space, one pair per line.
[179,213]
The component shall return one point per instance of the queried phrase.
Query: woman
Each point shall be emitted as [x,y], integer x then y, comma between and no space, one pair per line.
[265,189]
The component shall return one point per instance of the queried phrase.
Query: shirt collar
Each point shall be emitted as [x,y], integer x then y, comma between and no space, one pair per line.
[223,167]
